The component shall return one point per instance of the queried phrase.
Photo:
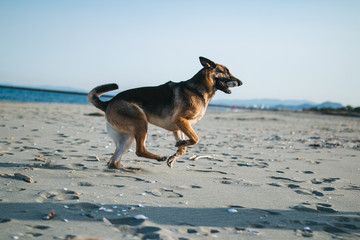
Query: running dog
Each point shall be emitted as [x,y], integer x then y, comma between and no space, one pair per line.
[172,106]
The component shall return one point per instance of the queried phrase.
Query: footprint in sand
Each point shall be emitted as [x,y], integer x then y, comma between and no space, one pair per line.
[258,164]
[309,192]
[165,192]
[308,172]
[86,209]
[314,207]
[352,188]
[57,195]
[141,228]
[85,184]
[76,165]
[16,189]
[333,229]
[32,234]
[260,224]
[293,186]
[4,220]
[328,189]
[33,230]
[285,179]
[303,191]
[242,182]
[323,180]
[299,190]
[38,227]
[84,206]
[182,187]
[275,185]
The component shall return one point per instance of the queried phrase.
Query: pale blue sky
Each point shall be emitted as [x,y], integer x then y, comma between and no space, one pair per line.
[305,49]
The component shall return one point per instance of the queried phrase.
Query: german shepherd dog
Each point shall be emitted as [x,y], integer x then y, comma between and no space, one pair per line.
[172,106]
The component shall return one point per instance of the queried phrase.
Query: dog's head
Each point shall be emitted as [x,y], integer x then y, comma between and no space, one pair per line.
[220,75]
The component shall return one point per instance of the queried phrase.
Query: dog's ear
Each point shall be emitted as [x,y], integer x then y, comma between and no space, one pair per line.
[207,63]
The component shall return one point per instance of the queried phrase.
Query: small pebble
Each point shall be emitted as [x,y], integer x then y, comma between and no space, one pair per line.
[231,210]
[254,232]
[65,220]
[140,217]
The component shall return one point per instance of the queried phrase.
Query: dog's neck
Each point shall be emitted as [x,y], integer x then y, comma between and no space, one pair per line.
[202,85]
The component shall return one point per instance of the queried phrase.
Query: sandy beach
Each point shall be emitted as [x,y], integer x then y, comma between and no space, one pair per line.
[253,175]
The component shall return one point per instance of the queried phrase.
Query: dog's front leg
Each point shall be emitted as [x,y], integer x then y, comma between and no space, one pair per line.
[185,126]
[181,149]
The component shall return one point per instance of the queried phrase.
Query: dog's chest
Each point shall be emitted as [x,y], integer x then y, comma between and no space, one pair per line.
[197,117]
[168,124]
[163,122]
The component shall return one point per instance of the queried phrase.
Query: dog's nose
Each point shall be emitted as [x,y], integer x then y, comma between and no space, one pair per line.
[239,82]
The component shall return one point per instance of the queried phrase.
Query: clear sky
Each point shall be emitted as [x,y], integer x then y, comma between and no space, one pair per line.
[306,49]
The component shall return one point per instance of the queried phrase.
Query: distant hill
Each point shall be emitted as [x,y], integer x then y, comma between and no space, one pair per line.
[294,105]
[330,105]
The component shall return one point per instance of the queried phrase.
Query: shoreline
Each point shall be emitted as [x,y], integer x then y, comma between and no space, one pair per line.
[255,174]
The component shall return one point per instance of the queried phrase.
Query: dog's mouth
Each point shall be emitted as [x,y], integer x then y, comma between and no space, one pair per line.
[226,85]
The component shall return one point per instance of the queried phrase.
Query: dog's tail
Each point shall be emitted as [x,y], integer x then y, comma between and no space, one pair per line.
[93,96]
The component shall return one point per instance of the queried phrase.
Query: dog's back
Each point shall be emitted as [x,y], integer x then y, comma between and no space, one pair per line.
[157,100]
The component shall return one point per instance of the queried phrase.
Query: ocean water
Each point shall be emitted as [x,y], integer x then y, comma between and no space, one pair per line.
[31,95]
[21,95]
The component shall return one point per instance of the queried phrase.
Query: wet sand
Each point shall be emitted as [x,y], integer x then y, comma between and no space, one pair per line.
[253,175]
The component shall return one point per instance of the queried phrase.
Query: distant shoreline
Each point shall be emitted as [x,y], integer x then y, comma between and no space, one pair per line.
[353,112]
[85,94]
[48,90]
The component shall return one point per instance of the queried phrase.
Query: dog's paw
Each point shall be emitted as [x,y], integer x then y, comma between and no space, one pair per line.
[180,143]
[162,159]
[114,165]
[171,161]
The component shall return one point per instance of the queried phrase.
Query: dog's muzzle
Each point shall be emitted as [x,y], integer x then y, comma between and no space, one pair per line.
[225,84]
[234,83]
[231,84]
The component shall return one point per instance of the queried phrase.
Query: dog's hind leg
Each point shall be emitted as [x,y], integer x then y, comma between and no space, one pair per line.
[130,118]
[123,142]
[179,135]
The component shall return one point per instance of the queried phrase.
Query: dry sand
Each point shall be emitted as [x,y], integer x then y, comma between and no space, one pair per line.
[260,175]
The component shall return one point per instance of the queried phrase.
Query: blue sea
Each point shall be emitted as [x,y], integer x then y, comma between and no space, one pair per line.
[21,95]
[10,94]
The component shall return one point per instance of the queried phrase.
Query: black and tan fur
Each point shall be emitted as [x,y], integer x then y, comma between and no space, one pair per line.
[172,106]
